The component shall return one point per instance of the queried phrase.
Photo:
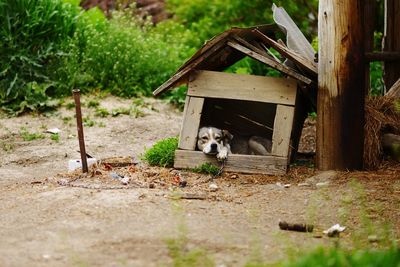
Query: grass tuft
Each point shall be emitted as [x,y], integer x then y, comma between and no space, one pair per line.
[206,168]
[162,153]
[28,136]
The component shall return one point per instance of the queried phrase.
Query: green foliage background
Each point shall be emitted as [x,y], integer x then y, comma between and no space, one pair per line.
[50,47]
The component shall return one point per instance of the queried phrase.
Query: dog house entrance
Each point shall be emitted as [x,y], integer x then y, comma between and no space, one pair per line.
[245,105]
[240,118]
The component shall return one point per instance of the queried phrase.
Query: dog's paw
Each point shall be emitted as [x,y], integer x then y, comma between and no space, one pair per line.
[222,155]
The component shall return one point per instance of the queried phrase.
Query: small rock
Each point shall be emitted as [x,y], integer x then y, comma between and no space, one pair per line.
[321,185]
[183,183]
[373,238]
[303,184]
[46,256]
[317,236]
[213,187]
[287,185]
[322,177]
[116,175]
[279,184]
[125,180]
[63,182]
[234,176]
[152,185]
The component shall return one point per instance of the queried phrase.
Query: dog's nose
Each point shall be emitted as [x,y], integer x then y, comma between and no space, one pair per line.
[214,147]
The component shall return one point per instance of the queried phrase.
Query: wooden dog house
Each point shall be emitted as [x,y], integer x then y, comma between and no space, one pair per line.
[243,104]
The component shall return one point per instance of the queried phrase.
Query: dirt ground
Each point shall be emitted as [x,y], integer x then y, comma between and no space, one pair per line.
[54,218]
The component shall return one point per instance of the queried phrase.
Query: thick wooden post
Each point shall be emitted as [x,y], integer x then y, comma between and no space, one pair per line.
[391,41]
[341,82]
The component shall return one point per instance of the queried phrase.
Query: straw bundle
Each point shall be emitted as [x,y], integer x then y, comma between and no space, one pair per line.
[381,117]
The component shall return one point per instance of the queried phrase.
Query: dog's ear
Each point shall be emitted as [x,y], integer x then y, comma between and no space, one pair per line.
[227,135]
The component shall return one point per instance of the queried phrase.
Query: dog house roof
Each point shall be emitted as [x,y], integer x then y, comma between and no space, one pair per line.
[216,54]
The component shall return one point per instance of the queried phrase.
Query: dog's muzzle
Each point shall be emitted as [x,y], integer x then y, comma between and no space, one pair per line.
[212,149]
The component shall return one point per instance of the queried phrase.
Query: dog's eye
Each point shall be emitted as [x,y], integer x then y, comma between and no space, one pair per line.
[204,138]
[218,138]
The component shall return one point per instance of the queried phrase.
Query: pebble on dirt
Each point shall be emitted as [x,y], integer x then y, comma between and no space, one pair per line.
[321,185]
[125,180]
[213,187]
[182,183]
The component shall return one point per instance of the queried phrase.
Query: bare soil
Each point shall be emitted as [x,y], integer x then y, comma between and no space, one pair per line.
[55,218]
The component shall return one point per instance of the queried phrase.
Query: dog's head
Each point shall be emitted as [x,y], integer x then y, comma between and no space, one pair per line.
[210,140]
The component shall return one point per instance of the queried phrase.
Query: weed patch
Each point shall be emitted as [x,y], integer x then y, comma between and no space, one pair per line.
[162,153]
[206,168]
[28,136]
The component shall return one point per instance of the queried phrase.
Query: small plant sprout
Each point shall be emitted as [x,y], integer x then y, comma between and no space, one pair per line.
[101,112]
[93,103]
[28,136]
[55,137]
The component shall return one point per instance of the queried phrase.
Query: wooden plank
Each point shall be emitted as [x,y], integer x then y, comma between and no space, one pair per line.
[243,87]
[270,62]
[185,159]
[341,81]
[382,56]
[308,65]
[191,122]
[394,91]
[250,46]
[369,26]
[391,41]
[282,130]
[177,76]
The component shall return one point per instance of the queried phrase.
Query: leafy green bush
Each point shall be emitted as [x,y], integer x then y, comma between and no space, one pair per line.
[125,55]
[50,47]
[33,36]
[162,153]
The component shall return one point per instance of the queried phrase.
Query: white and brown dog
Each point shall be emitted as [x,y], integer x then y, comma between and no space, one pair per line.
[214,141]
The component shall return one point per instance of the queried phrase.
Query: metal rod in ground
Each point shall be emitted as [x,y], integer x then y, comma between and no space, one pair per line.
[77,98]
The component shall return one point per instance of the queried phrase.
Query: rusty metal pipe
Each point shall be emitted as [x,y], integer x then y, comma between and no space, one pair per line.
[77,98]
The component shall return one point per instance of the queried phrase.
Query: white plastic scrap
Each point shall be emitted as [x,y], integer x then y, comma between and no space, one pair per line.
[53,131]
[334,230]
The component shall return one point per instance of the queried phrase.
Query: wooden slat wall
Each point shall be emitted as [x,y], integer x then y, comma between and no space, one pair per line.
[185,159]
[282,130]
[191,122]
[243,87]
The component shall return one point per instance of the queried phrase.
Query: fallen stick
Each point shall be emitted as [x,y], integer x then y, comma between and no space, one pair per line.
[298,227]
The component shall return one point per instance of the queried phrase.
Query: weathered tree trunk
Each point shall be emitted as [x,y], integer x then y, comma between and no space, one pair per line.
[341,82]
[391,41]
[369,26]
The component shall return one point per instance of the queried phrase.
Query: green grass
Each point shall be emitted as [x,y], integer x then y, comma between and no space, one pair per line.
[88,122]
[162,153]
[336,257]
[55,137]
[7,146]
[93,103]
[120,111]
[101,112]
[28,136]
[206,168]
